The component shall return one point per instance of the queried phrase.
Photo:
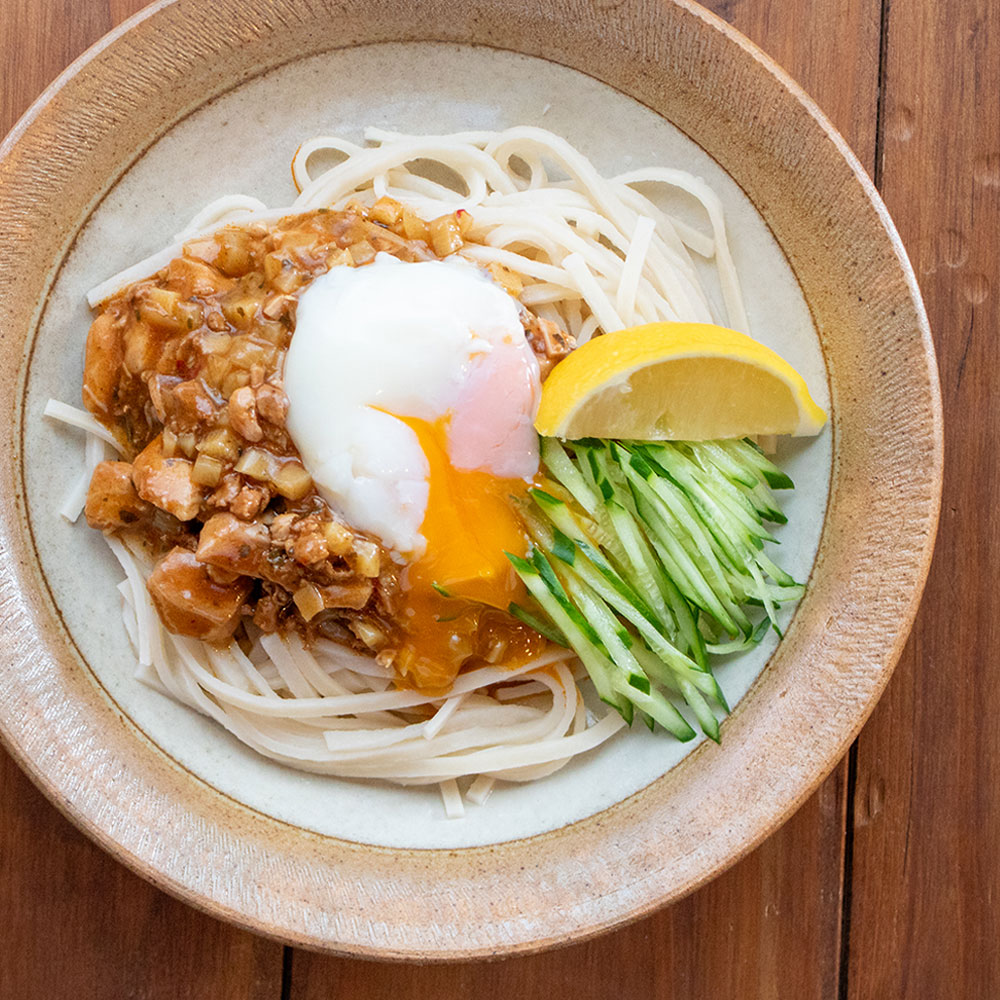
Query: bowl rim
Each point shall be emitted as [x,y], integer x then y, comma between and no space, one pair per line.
[96,818]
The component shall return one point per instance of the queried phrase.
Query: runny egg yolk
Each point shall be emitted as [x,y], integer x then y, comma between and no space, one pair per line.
[470,522]
[412,393]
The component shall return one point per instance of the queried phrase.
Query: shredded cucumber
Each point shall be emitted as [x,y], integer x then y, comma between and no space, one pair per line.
[647,557]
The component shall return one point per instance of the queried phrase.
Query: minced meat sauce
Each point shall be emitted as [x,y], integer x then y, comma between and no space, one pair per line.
[185,369]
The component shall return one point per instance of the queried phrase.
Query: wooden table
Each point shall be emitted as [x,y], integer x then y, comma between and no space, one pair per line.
[886,884]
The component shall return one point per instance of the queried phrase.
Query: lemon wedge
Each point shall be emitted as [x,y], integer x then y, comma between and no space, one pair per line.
[675,381]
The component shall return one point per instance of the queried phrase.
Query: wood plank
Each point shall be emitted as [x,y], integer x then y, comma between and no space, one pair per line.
[830,49]
[925,918]
[78,924]
[770,927]
[75,922]
[38,39]
[767,929]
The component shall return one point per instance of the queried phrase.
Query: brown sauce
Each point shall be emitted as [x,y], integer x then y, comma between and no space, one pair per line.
[185,369]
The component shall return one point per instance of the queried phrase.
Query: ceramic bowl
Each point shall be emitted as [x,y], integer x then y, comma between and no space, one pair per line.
[192,99]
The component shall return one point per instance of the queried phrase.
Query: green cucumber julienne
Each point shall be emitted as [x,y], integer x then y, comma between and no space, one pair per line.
[646,558]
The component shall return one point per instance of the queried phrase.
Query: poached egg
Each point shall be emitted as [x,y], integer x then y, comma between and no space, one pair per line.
[412,393]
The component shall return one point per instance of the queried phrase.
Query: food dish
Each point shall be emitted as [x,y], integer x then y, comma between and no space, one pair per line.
[328,498]
[833,700]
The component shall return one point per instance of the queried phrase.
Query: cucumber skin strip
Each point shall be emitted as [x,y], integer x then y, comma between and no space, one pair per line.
[605,625]
[649,702]
[532,620]
[645,627]
[555,588]
[679,563]
[674,499]
[703,713]
[747,452]
[760,497]
[541,537]
[672,659]
[715,519]
[658,707]
[725,648]
[671,675]
[730,496]
[752,583]
[588,653]
[750,555]
[639,556]
[678,607]
[736,470]
[629,557]
[561,466]
[690,693]
[700,663]
[632,612]
[574,481]
[569,521]
[728,505]
[729,599]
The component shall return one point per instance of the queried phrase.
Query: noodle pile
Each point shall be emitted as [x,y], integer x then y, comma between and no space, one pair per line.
[594,255]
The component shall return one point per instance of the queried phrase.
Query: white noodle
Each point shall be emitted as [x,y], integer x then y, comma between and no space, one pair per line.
[94,454]
[530,224]
[594,295]
[635,263]
[595,255]
[359,733]
[517,691]
[139,601]
[480,789]
[454,808]
[226,211]
[67,414]
[222,209]
[441,716]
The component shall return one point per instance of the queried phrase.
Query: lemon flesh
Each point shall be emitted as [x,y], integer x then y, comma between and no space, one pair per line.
[675,381]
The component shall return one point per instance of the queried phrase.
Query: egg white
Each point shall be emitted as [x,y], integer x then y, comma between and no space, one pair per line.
[433,340]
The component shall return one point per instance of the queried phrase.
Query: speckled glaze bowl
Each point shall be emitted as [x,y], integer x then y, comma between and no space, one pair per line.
[190,95]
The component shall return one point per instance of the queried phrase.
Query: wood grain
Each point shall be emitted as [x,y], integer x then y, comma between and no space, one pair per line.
[830,49]
[76,924]
[925,916]
[766,929]
[770,927]
[925,877]
[688,823]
